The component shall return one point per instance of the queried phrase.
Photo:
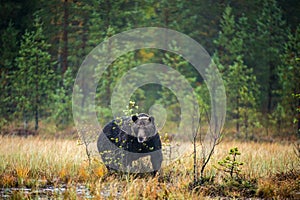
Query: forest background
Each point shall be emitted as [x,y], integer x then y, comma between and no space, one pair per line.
[255,45]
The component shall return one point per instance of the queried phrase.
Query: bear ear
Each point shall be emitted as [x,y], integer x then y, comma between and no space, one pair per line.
[134,118]
[151,119]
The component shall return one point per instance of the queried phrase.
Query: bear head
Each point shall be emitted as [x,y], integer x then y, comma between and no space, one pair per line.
[141,126]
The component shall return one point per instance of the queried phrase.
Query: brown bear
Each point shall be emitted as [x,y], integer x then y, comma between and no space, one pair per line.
[126,139]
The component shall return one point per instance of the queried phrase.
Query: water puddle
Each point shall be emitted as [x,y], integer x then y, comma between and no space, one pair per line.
[46,192]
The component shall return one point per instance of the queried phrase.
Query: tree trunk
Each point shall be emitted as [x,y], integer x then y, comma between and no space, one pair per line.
[195,158]
[246,125]
[25,121]
[270,100]
[270,93]
[166,24]
[108,70]
[65,37]
[84,36]
[36,127]
[298,127]
[298,114]
[36,106]
[271,86]
[237,115]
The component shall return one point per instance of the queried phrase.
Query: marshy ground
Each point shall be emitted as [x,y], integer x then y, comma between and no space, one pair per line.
[36,167]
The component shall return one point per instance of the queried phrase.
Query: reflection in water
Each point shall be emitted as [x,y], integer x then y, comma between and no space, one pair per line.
[46,192]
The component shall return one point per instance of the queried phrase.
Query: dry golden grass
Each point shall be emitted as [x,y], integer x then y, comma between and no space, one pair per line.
[32,158]
[261,159]
[36,162]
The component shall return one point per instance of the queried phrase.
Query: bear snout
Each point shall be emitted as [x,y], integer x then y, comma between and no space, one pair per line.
[141,139]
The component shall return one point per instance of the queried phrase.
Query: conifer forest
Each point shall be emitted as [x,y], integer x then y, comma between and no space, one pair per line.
[254,45]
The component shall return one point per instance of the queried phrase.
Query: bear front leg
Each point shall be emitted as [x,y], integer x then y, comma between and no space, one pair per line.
[127,163]
[156,160]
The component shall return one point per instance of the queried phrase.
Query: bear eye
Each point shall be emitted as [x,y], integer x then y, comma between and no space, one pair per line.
[134,118]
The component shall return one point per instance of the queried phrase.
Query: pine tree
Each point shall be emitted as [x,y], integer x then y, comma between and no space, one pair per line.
[104,22]
[33,79]
[289,74]
[240,81]
[270,35]
[62,101]
[229,45]
[8,52]
[241,91]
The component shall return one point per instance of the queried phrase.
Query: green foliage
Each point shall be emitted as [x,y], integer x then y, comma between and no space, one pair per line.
[166,96]
[9,46]
[242,88]
[8,51]
[241,85]
[297,117]
[229,44]
[62,101]
[109,81]
[289,74]
[230,166]
[271,34]
[33,79]
[131,109]
[251,39]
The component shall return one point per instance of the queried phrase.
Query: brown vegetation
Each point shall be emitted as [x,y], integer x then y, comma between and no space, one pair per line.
[270,170]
